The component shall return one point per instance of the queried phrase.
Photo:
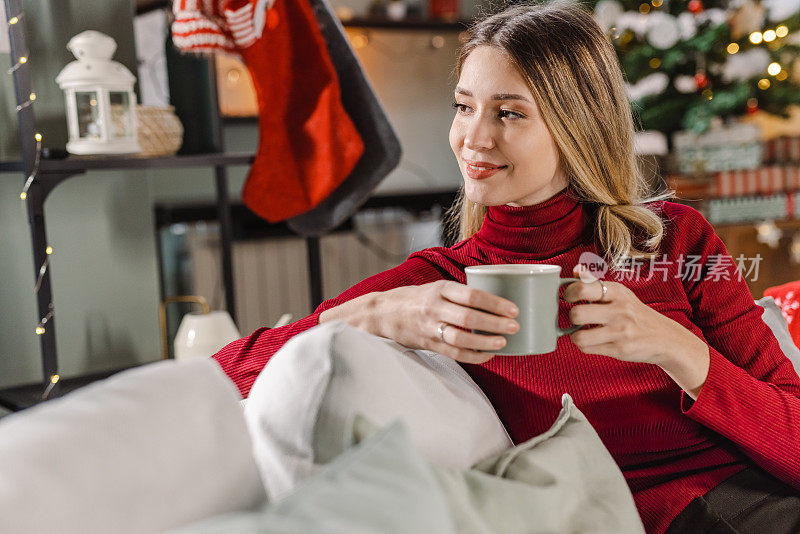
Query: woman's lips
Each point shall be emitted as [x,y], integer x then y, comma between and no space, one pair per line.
[481,173]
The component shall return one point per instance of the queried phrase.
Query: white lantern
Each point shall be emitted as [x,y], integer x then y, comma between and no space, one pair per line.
[101,104]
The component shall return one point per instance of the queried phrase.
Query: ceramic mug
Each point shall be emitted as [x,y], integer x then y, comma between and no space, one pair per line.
[534,289]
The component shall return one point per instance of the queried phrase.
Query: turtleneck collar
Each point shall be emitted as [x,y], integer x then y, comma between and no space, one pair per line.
[537,231]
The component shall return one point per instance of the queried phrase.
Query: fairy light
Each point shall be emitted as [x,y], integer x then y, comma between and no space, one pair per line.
[756,37]
[43,269]
[53,381]
[769,36]
[40,328]
[733,48]
[654,63]
[774,69]
[763,83]
[782,31]
[20,62]
[31,98]
[657,3]
[782,75]
[644,8]
[35,171]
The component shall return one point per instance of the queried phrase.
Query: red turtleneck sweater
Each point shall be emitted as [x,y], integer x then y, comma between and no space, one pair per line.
[669,448]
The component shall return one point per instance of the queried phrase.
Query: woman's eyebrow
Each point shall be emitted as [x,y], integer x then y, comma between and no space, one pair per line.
[498,96]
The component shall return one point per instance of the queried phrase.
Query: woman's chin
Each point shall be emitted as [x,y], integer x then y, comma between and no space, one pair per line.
[480,195]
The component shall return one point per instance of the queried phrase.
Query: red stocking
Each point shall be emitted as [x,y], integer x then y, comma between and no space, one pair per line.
[307,143]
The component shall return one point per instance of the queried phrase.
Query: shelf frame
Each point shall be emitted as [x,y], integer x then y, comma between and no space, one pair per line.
[52,172]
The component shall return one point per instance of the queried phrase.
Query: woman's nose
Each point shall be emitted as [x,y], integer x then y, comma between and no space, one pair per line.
[478,135]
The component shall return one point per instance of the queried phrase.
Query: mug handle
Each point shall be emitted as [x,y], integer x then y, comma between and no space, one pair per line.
[566,331]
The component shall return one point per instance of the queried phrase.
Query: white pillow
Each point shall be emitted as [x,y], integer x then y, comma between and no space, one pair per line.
[302,403]
[146,450]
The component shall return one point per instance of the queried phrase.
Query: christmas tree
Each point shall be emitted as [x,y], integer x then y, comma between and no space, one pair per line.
[687,62]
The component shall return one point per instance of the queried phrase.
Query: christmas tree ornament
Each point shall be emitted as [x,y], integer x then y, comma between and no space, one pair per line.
[712,16]
[695,7]
[663,31]
[633,21]
[688,25]
[685,84]
[745,65]
[607,12]
[701,80]
[655,84]
[779,10]
[308,144]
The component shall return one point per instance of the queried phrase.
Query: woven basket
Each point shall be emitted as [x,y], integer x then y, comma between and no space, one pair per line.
[160,132]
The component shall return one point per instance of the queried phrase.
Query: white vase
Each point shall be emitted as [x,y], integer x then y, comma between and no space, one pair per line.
[201,335]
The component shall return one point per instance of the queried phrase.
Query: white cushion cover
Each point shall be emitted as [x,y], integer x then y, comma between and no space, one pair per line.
[146,450]
[302,403]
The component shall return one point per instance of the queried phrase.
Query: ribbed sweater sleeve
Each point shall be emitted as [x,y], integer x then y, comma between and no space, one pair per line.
[243,359]
[751,393]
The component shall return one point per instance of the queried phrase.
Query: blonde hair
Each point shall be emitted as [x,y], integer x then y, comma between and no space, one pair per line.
[574,75]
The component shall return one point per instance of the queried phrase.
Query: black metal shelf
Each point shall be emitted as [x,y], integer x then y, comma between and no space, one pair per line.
[53,171]
[80,164]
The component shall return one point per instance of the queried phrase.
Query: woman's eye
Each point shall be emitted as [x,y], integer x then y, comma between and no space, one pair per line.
[458,106]
[516,115]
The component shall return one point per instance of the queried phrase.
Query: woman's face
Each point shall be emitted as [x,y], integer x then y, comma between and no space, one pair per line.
[497,124]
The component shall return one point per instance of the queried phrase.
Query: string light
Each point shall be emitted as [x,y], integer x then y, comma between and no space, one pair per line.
[655,63]
[20,62]
[40,327]
[782,75]
[657,3]
[756,37]
[644,8]
[43,269]
[53,380]
[781,31]
[733,48]
[774,69]
[769,36]
[763,83]
[27,103]
[35,171]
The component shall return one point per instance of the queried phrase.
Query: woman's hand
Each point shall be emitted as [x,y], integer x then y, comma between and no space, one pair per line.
[629,330]
[411,315]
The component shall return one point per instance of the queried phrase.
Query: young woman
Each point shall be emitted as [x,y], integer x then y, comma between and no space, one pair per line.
[684,383]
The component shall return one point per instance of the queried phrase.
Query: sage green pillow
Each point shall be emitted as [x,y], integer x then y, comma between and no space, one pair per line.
[382,485]
[562,481]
